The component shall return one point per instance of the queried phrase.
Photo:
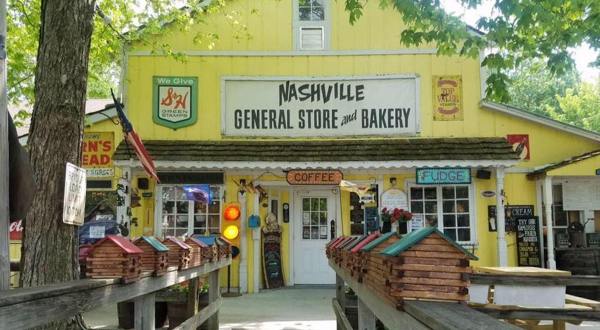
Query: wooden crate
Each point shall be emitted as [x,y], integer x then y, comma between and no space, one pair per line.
[178,256]
[154,259]
[424,265]
[114,257]
[196,247]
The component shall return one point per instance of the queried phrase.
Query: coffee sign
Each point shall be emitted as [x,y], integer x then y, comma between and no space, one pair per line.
[305,107]
[175,101]
[314,177]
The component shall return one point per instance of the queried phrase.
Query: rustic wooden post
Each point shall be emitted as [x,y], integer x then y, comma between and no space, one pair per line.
[144,311]
[4,214]
[366,318]
[214,293]
[192,297]
[340,295]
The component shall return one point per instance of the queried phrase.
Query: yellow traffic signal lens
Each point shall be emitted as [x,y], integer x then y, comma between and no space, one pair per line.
[231,232]
[232,212]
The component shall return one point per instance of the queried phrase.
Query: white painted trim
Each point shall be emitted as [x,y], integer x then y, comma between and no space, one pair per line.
[345,165]
[519,113]
[291,203]
[291,53]
[539,211]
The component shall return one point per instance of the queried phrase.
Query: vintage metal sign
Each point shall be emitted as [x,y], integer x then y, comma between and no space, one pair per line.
[74,197]
[447,98]
[175,101]
[314,177]
[320,107]
[449,175]
[98,148]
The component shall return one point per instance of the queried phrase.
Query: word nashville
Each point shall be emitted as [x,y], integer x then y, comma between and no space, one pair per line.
[320,118]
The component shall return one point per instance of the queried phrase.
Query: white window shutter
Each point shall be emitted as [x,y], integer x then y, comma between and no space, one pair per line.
[312,38]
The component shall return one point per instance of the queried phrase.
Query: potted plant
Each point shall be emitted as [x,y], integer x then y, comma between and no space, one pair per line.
[400,216]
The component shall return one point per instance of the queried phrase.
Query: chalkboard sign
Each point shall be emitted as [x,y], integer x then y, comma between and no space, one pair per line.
[593,239]
[512,213]
[272,260]
[528,242]
[371,219]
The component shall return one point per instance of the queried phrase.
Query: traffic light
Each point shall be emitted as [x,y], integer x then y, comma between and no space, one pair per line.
[231,213]
[231,232]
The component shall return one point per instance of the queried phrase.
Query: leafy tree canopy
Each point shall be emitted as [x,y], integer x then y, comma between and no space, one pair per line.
[117,23]
[520,30]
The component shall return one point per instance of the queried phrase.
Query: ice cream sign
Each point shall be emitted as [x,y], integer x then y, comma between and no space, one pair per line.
[98,148]
[175,101]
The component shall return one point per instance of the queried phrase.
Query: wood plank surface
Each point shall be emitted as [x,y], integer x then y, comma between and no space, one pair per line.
[202,316]
[340,316]
[521,271]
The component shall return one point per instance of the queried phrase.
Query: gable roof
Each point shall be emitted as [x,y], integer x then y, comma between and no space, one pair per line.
[365,241]
[155,243]
[178,242]
[566,162]
[195,241]
[208,240]
[121,242]
[543,120]
[379,240]
[417,236]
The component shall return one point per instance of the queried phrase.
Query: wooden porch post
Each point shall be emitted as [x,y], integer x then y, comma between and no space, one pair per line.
[144,311]
[500,218]
[366,318]
[214,293]
[549,221]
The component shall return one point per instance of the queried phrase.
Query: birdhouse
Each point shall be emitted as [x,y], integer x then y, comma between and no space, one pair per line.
[179,253]
[154,259]
[373,268]
[357,257]
[224,247]
[212,252]
[196,251]
[114,257]
[427,265]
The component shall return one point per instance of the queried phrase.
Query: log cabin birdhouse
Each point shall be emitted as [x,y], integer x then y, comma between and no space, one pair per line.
[154,260]
[372,268]
[179,253]
[427,265]
[224,247]
[197,246]
[212,252]
[114,257]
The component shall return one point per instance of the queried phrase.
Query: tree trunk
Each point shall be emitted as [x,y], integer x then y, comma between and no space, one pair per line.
[50,248]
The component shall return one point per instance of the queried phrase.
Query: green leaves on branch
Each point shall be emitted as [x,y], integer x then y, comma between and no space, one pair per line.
[517,30]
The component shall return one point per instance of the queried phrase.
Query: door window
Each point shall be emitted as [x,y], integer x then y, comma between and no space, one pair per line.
[314,218]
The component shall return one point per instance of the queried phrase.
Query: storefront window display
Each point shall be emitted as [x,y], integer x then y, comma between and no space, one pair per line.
[184,216]
[446,207]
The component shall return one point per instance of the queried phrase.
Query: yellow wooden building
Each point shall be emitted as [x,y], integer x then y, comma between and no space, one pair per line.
[290,99]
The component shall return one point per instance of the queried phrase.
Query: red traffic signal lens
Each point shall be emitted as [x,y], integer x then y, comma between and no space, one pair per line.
[232,212]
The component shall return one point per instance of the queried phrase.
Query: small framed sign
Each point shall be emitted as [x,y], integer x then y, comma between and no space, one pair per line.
[449,175]
[175,101]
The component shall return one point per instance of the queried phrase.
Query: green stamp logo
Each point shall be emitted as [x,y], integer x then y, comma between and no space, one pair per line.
[175,101]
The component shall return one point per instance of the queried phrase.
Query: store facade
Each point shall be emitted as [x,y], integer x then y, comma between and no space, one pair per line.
[323,124]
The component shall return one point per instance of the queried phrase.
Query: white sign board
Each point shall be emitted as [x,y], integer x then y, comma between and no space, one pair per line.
[320,107]
[97,231]
[581,195]
[416,222]
[74,197]
[394,199]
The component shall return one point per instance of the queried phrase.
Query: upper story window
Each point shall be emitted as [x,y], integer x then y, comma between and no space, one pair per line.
[311,10]
[311,24]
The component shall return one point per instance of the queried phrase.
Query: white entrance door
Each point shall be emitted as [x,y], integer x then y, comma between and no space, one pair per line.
[313,215]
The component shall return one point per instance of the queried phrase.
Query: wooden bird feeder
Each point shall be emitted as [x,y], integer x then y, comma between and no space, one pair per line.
[154,259]
[179,253]
[114,257]
[196,251]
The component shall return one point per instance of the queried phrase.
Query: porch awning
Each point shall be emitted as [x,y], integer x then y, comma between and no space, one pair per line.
[343,154]
[585,164]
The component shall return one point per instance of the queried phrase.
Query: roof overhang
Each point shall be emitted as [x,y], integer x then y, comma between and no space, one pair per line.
[582,165]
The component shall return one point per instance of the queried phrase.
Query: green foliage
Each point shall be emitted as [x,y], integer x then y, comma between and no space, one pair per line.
[520,30]
[579,106]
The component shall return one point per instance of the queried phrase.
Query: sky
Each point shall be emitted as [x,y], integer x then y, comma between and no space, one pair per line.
[583,55]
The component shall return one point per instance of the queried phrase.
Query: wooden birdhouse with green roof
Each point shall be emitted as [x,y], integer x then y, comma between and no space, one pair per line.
[154,260]
[427,265]
[373,266]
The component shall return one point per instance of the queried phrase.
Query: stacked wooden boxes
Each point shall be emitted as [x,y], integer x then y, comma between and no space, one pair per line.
[357,256]
[374,267]
[114,257]
[179,253]
[154,259]
[211,252]
[196,247]
[427,265]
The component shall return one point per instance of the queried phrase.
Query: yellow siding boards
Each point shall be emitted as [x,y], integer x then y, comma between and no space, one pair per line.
[585,167]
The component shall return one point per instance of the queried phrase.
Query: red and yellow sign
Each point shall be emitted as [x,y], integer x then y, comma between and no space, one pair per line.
[520,144]
[447,98]
[98,148]
[314,177]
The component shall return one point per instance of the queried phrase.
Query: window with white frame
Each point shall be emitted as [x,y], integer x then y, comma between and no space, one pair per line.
[311,24]
[446,207]
[184,216]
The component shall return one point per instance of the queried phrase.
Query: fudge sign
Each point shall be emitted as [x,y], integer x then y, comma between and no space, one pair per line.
[299,107]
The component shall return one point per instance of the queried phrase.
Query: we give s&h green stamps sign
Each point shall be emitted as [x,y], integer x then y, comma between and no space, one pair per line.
[175,101]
